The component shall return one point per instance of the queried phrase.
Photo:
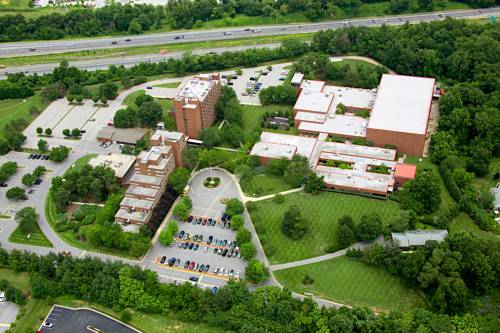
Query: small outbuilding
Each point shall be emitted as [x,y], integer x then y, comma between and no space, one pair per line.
[411,238]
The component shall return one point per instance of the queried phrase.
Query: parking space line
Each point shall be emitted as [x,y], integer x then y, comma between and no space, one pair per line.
[189,271]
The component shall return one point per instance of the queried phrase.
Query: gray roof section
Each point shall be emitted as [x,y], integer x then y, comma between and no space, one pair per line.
[143,191]
[122,135]
[418,237]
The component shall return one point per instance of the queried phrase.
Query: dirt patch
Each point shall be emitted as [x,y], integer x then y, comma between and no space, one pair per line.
[432,126]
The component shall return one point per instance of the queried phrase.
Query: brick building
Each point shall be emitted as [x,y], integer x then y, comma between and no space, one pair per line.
[194,106]
[149,178]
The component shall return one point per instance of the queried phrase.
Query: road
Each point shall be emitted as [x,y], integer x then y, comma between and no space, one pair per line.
[127,61]
[62,46]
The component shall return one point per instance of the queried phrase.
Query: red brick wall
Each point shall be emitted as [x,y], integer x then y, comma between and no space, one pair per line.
[409,143]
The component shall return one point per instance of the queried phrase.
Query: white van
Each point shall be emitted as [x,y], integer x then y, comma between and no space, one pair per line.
[2,296]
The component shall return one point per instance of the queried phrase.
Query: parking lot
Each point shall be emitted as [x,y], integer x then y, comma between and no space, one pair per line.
[252,77]
[207,246]
[63,320]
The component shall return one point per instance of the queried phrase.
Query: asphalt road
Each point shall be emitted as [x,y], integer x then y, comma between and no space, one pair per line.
[61,46]
[127,61]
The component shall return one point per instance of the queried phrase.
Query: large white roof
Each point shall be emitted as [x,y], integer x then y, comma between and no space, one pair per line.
[305,145]
[402,104]
[338,124]
[352,97]
[313,101]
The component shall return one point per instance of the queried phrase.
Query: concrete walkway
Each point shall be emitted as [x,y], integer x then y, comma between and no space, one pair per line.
[270,196]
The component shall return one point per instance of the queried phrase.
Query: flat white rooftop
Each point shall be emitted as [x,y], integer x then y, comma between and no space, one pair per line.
[309,116]
[297,78]
[196,89]
[357,150]
[352,97]
[355,180]
[119,163]
[312,85]
[167,135]
[402,104]
[145,179]
[338,124]
[314,101]
[273,150]
[140,217]
[305,145]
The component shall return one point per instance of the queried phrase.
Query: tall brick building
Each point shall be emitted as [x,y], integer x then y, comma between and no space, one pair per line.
[195,105]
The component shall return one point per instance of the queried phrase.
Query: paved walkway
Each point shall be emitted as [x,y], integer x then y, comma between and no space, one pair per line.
[265,197]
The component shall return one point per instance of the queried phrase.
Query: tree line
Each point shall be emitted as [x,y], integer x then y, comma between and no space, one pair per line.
[269,309]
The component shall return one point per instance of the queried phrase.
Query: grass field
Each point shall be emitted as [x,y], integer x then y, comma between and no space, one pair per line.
[487,182]
[464,222]
[354,283]
[252,115]
[169,85]
[321,212]
[37,238]
[36,310]
[262,184]
[130,99]
[17,108]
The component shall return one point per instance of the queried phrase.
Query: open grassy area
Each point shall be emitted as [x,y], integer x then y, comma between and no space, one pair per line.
[166,105]
[169,85]
[17,108]
[352,282]
[130,99]
[464,222]
[263,184]
[487,182]
[321,211]
[36,310]
[36,238]
[252,115]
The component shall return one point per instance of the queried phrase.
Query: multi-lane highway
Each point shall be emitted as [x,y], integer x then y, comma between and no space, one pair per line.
[62,46]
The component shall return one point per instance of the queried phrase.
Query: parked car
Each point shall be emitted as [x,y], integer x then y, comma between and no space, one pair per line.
[186,265]
[186,245]
[177,262]
[216,270]
[171,261]
[221,271]
[202,267]
[210,239]
[191,245]
[207,268]
[190,218]
[193,278]
[3,185]
[224,253]
[195,247]
[200,238]
[181,234]
[195,238]
[205,249]
[47,324]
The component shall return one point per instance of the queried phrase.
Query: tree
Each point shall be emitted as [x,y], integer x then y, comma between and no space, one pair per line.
[135,27]
[256,272]
[178,179]
[108,90]
[210,137]
[243,236]
[297,171]
[314,183]
[48,131]
[75,132]
[66,132]
[234,207]
[166,237]
[181,211]
[59,154]
[16,193]
[79,99]
[39,171]
[43,145]
[39,130]
[293,225]
[28,179]
[125,118]
[422,194]
[237,222]
[150,113]
[369,227]
[143,98]
[70,98]
[27,218]
[248,251]
[233,135]
[346,232]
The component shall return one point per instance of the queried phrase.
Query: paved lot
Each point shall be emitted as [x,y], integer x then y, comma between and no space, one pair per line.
[8,313]
[67,320]
[240,84]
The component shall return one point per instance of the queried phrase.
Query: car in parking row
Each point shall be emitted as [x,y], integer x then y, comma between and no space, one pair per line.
[38,157]
[193,266]
[221,271]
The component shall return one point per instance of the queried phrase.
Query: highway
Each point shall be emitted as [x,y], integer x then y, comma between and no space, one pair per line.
[127,61]
[62,46]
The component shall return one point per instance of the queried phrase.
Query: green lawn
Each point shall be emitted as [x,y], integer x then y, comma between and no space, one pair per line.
[37,238]
[262,184]
[252,115]
[464,222]
[321,211]
[169,85]
[17,108]
[487,182]
[36,310]
[352,282]
[130,99]
[166,105]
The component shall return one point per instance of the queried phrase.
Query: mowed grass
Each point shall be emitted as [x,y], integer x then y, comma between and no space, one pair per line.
[464,222]
[169,85]
[262,184]
[321,212]
[352,282]
[252,115]
[11,109]
[37,238]
[166,106]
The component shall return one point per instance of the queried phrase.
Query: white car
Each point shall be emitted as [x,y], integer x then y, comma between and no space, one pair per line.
[47,324]
[221,271]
